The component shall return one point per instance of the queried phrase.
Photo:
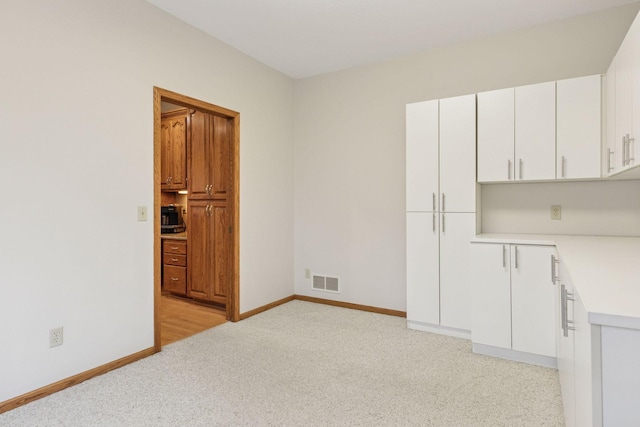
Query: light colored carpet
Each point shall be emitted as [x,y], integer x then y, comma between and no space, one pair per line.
[305,364]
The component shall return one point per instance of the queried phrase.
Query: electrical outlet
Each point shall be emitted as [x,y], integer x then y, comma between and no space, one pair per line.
[55,337]
[142,213]
[556,212]
[307,273]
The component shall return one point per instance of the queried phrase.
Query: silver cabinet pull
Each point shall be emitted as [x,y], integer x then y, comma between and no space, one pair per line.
[443,209]
[554,274]
[563,167]
[508,169]
[609,162]
[174,259]
[631,143]
[520,171]
[515,252]
[625,149]
[433,223]
[443,223]
[174,248]
[175,279]
[564,297]
[504,256]
[433,201]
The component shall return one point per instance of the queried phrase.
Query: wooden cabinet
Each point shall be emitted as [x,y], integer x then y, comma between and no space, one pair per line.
[209,254]
[579,127]
[209,156]
[209,212]
[514,301]
[441,201]
[174,266]
[174,130]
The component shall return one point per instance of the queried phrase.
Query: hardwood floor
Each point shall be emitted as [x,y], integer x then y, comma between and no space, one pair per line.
[181,319]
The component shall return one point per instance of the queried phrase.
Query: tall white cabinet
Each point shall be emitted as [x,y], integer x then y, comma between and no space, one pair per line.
[441,203]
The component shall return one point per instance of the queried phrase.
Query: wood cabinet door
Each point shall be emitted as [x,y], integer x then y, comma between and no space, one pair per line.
[535,131]
[199,156]
[491,293]
[496,135]
[458,154]
[173,162]
[422,156]
[456,231]
[533,300]
[220,251]
[220,160]
[423,289]
[579,131]
[199,258]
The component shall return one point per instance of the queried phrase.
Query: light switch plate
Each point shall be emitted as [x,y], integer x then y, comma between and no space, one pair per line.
[142,213]
[556,212]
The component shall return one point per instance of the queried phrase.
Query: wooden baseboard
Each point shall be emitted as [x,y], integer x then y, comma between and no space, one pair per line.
[266,307]
[369,308]
[71,381]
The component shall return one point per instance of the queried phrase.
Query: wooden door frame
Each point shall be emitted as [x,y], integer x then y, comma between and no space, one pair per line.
[233,299]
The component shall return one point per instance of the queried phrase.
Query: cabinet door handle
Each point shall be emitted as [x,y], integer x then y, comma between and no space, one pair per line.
[563,167]
[433,201]
[504,256]
[174,248]
[520,167]
[443,223]
[443,209]
[515,252]
[174,259]
[174,279]
[563,309]
[508,169]
[624,150]
[554,273]
[609,162]
[631,143]
[433,225]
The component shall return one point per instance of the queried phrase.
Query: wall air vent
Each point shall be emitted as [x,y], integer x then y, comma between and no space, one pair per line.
[324,283]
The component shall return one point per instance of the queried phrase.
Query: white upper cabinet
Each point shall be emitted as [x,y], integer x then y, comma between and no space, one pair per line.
[535,131]
[496,135]
[623,103]
[422,156]
[579,130]
[457,154]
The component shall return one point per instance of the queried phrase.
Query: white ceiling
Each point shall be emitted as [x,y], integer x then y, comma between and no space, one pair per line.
[303,38]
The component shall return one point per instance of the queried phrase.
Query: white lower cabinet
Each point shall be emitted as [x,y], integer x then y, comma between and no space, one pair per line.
[514,302]
[438,284]
[579,365]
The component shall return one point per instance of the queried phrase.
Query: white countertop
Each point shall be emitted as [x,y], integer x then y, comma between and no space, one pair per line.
[605,272]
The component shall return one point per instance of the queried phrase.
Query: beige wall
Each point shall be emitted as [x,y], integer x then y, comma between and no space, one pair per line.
[76,159]
[350,157]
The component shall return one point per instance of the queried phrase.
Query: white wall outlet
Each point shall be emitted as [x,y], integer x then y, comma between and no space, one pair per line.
[307,273]
[142,213]
[55,337]
[556,212]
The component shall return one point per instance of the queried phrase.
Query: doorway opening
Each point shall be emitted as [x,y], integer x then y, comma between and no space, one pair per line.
[211,153]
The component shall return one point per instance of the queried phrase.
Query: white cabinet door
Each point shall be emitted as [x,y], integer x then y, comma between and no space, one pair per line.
[535,131]
[456,278]
[532,300]
[579,133]
[588,405]
[457,154]
[423,289]
[623,101]
[565,353]
[496,135]
[491,309]
[422,155]
[609,163]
